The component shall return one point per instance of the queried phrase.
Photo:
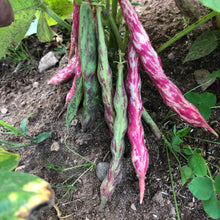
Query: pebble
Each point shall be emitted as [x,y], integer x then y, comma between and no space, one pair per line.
[55,146]
[133,207]
[36,84]
[47,61]
[101,170]
[171,56]
[201,78]
[4,110]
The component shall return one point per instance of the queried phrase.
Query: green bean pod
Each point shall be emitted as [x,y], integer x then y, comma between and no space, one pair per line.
[117,145]
[88,57]
[104,74]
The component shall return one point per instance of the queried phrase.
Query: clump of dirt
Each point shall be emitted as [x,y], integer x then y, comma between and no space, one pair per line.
[27,91]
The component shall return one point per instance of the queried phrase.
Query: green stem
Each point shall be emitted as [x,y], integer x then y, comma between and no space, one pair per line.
[55,16]
[172,185]
[198,87]
[114,8]
[114,29]
[168,144]
[126,37]
[200,139]
[147,118]
[187,30]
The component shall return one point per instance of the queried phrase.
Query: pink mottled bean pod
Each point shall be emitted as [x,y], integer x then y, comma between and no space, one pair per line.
[71,91]
[140,157]
[152,65]
[75,29]
[65,74]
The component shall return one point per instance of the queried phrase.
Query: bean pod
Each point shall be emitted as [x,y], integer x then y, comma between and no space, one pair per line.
[152,65]
[117,145]
[140,157]
[104,74]
[88,57]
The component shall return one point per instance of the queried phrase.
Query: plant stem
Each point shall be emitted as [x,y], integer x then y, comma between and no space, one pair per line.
[172,185]
[186,31]
[200,139]
[147,118]
[114,8]
[114,29]
[197,87]
[55,16]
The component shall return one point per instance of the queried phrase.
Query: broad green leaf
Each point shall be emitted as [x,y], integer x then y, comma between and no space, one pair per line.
[203,45]
[198,165]
[215,74]
[24,12]
[11,128]
[183,132]
[176,141]
[213,4]
[21,193]
[43,136]
[23,125]
[8,161]
[217,184]
[44,32]
[212,207]
[187,150]
[74,103]
[63,8]
[201,188]
[203,102]
[186,174]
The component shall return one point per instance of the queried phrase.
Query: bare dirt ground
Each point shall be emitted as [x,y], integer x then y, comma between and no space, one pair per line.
[27,91]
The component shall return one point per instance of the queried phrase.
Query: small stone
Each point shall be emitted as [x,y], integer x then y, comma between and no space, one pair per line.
[74,122]
[133,207]
[87,218]
[201,78]
[101,170]
[171,56]
[36,84]
[47,61]
[55,146]
[4,110]
[191,204]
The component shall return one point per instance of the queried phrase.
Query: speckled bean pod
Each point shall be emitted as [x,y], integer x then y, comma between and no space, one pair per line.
[139,155]
[150,60]
[104,74]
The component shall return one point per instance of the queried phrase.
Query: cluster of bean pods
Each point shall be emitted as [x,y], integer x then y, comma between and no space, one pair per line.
[88,61]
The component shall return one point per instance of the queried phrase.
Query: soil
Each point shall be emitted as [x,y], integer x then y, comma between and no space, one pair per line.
[27,91]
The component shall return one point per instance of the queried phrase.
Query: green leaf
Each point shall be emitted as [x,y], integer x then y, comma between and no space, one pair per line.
[11,128]
[8,161]
[21,193]
[201,188]
[24,12]
[78,2]
[44,32]
[203,102]
[198,165]
[214,74]
[203,45]
[217,184]
[74,103]
[176,141]
[63,8]
[183,132]
[213,4]
[188,150]
[186,174]
[212,207]
[43,136]
[23,125]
